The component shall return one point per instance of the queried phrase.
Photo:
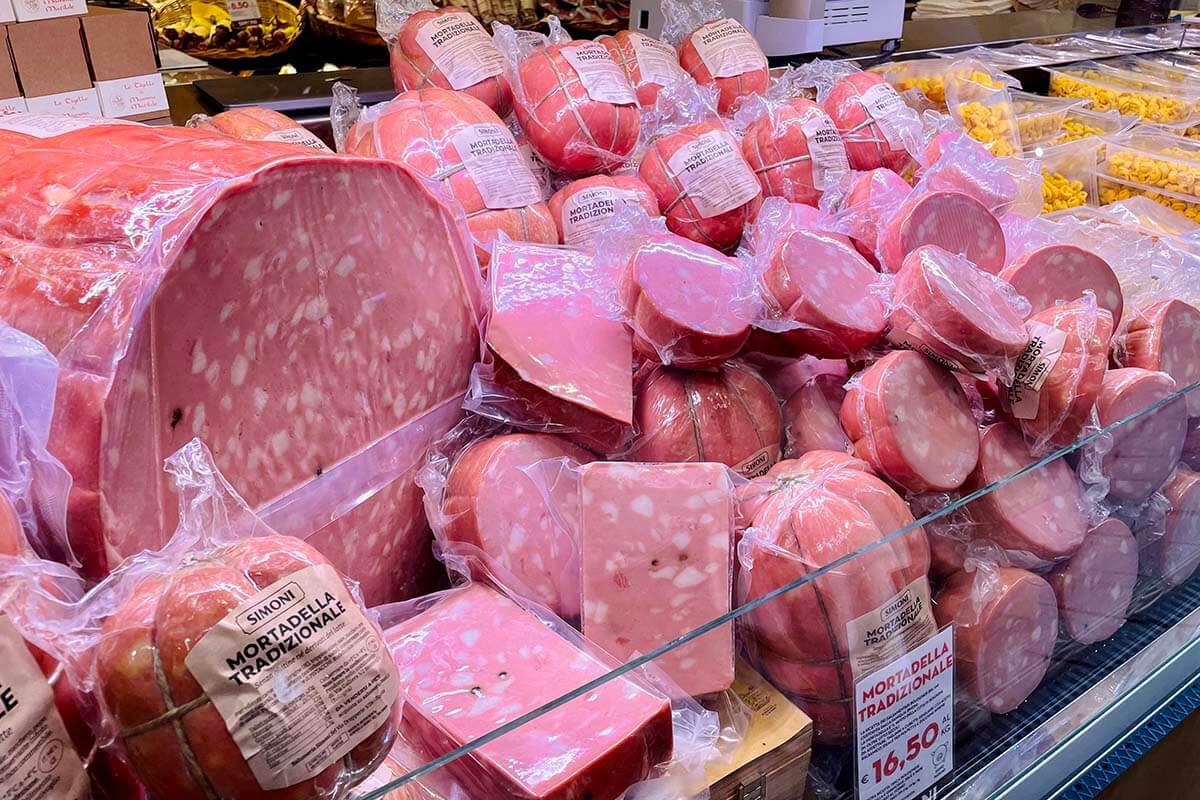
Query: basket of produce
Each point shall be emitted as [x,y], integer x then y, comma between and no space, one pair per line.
[347,20]
[252,29]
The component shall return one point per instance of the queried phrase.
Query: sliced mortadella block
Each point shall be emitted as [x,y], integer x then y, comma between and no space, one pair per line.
[828,295]
[1061,273]
[656,545]
[1145,450]
[1041,513]
[952,312]
[910,420]
[493,502]
[953,221]
[1166,338]
[1095,586]
[870,203]
[689,305]
[1059,377]
[1175,554]
[810,417]
[475,660]
[1005,623]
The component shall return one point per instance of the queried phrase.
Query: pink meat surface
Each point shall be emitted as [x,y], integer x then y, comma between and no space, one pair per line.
[585,207]
[688,305]
[1095,586]
[1062,273]
[796,151]
[494,501]
[1005,623]
[871,201]
[862,106]
[196,285]
[1166,338]
[1175,554]
[955,222]
[648,63]
[475,660]
[656,545]
[723,54]
[810,417]
[1145,450]
[909,419]
[1041,513]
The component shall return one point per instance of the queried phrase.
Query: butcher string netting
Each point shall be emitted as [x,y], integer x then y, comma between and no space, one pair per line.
[682,197]
[174,715]
[759,602]
[563,85]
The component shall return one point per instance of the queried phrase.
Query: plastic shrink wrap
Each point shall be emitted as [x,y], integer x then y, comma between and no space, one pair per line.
[716,50]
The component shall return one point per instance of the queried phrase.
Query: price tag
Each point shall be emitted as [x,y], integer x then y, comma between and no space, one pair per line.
[244,12]
[904,722]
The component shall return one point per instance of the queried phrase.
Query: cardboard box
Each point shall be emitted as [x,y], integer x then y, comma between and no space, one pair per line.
[124,61]
[11,100]
[52,67]
[33,10]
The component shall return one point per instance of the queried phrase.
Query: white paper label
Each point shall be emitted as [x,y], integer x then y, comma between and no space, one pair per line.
[298,136]
[602,78]
[657,61]
[541,172]
[1045,346]
[588,212]
[758,464]
[904,722]
[298,675]
[461,49]
[490,155]
[13,105]
[43,126]
[80,103]
[29,10]
[713,173]
[127,97]
[244,12]
[826,149]
[727,48]
[37,760]
[884,105]
[6,12]
[896,627]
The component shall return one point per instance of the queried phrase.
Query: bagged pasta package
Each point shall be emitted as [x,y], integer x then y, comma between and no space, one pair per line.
[461,146]
[558,357]
[185,651]
[716,50]
[571,98]
[446,48]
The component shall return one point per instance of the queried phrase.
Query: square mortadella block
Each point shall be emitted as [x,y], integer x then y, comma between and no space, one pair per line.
[475,660]
[656,545]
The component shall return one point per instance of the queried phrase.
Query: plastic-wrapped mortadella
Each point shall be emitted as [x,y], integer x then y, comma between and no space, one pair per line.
[810,640]
[960,316]
[585,207]
[794,148]
[446,48]
[951,220]
[572,100]
[1095,586]
[1146,449]
[728,416]
[190,646]
[457,141]
[256,124]
[1165,337]
[870,202]
[716,49]
[649,64]
[878,129]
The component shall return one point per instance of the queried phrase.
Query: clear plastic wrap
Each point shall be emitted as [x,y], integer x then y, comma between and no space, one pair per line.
[649,64]
[458,143]
[34,485]
[1040,119]
[257,124]
[984,108]
[161,278]
[866,207]
[583,209]
[822,297]
[955,162]
[573,101]
[705,188]
[878,129]
[716,50]
[184,650]
[1148,158]
[962,317]
[445,48]
[950,219]
[728,416]
[808,514]
[1069,174]
[793,146]
[1080,123]
[812,391]
[508,495]
[1163,336]
[611,734]
[1107,89]
[558,357]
